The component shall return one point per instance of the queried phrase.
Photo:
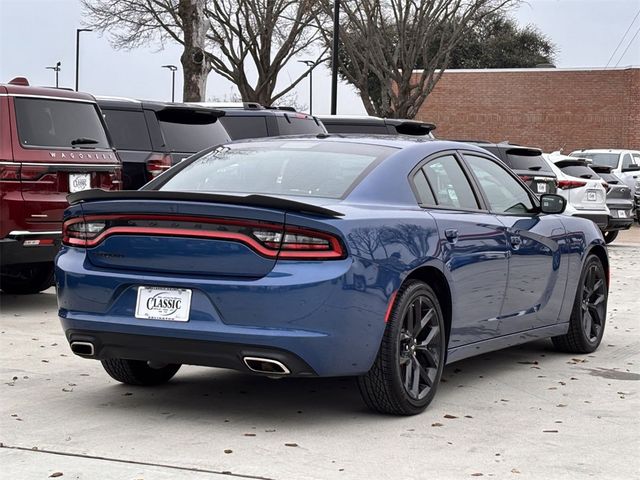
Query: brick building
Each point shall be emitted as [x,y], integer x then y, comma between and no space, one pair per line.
[545,107]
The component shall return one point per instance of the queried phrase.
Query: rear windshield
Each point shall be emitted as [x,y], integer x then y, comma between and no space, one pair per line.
[520,159]
[59,123]
[128,129]
[579,171]
[300,168]
[240,127]
[190,138]
[606,159]
[298,124]
[351,128]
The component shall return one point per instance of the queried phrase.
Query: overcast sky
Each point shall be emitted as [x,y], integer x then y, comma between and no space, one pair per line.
[38,33]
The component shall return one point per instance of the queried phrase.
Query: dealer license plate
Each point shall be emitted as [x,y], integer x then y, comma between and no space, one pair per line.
[162,303]
[542,188]
[79,182]
[622,214]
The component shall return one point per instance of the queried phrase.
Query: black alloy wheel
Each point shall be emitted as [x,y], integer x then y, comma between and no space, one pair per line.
[405,375]
[589,313]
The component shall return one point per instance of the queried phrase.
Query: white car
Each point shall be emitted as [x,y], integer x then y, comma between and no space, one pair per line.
[583,189]
[624,163]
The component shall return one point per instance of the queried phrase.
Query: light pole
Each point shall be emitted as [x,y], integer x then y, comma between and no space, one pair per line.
[334,57]
[173,69]
[78,30]
[310,64]
[56,69]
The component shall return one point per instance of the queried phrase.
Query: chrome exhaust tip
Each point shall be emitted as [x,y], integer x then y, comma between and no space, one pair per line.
[84,349]
[267,366]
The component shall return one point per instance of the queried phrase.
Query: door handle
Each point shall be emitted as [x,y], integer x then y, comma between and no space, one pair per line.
[516,241]
[451,234]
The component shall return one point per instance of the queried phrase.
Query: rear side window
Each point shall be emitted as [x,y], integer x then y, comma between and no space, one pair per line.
[189,131]
[308,169]
[59,123]
[298,124]
[245,126]
[351,128]
[449,184]
[579,171]
[128,129]
[423,189]
[523,159]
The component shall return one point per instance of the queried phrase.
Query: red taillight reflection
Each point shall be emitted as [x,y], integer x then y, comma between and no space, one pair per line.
[267,239]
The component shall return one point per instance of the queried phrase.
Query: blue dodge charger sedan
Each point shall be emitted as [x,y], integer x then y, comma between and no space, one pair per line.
[379,257]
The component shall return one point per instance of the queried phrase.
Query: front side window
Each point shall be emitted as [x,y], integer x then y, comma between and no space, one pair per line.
[309,169]
[59,123]
[449,184]
[503,192]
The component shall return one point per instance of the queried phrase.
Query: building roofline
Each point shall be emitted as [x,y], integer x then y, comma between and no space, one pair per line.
[530,70]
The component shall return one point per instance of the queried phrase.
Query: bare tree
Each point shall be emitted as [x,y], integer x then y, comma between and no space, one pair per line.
[237,39]
[383,41]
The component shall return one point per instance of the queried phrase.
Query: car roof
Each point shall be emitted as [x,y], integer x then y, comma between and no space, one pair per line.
[606,150]
[393,141]
[62,93]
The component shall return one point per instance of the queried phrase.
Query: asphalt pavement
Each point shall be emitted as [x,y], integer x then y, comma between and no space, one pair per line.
[522,413]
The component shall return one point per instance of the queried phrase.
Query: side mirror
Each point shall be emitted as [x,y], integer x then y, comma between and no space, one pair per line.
[551,203]
[631,168]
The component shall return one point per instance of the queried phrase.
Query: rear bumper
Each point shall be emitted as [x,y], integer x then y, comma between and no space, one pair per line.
[183,351]
[14,251]
[600,219]
[619,224]
[301,310]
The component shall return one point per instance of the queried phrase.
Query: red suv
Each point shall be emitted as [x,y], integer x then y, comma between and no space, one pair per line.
[52,142]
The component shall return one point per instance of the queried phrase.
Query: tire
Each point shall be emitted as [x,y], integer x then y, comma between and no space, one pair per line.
[390,386]
[588,316]
[138,372]
[610,236]
[28,280]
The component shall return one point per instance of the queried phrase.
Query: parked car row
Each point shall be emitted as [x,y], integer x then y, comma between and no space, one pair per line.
[54,142]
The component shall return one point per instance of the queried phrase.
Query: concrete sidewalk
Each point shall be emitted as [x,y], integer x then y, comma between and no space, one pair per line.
[521,413]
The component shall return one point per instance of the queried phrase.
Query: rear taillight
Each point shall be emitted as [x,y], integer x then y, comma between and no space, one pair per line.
[26,173]
[568,184]
[79,233]
[267,239]
[156,164]
[526,178]
[606,186]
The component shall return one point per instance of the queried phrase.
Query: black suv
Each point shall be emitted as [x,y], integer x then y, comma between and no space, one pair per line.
[376,125]
[252,120]
[526,162]
[150,137]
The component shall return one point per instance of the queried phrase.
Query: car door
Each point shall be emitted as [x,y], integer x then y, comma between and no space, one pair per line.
[472,244]
[537,272]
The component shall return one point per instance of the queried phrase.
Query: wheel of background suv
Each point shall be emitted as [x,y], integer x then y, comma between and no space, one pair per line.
[406,373]
[610,236]
[137,372]
[28,280]
[589,313]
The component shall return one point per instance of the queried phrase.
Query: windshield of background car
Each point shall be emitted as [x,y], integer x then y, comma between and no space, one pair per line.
[302,168]
[298,124]
[189,131]
[522,159]
[58,123]
[579,171]
[128,129]
[606,159]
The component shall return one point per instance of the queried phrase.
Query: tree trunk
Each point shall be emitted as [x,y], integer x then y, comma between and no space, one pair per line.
[195,65]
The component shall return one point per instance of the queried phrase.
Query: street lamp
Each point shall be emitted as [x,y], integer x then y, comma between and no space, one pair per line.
[310,64]
[78,30]
[334,56]
[173,69]
[56,69]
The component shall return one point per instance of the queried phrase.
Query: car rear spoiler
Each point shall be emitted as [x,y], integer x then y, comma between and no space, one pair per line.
[264,201]
[573,162]
[412,127]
